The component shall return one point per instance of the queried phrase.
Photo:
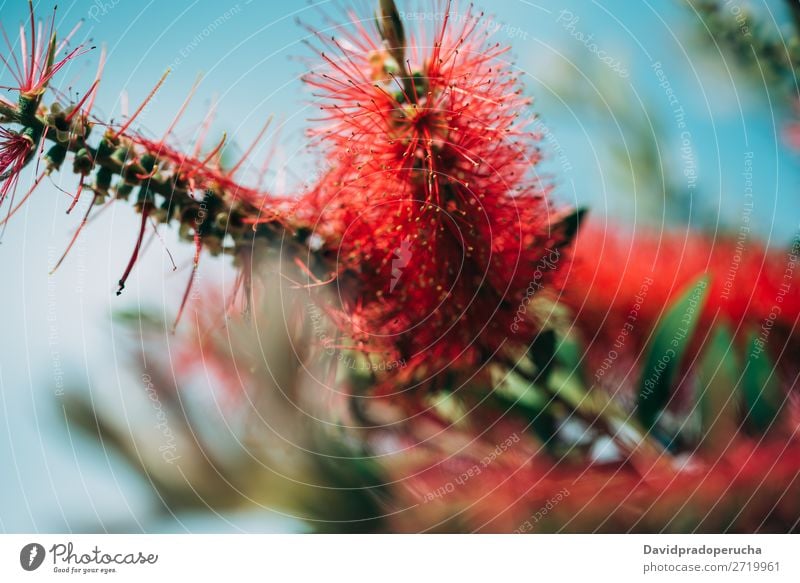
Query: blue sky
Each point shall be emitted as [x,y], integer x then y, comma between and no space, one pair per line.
[59,331]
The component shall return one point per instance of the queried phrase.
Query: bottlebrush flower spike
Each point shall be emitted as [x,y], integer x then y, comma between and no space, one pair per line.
[750,284]
[192,190]
[432,159]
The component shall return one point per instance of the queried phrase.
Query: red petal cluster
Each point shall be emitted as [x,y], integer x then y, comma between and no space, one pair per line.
[441,232]
[749,284]
[15,150]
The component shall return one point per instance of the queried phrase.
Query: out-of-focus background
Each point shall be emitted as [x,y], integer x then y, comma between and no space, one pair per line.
[644,119]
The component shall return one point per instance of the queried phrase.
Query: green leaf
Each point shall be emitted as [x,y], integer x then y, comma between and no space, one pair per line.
[670,339]
[542,352]
[760,386]
[568,355]
[514,388]
[140,317]
[718,376]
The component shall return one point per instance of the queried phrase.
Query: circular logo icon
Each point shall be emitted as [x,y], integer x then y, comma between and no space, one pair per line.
[31,556]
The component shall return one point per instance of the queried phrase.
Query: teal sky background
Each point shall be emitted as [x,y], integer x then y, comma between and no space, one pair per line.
[61,333]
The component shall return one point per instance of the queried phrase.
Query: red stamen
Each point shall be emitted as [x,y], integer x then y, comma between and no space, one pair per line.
[100,66]
[214,152]
[78,106]
[135,254]
[182,109]
[75,235]
[249,150]
[77,195]
[150,95]
[198,247]
[204,128]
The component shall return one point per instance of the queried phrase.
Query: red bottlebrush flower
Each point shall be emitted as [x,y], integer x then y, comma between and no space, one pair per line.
[37,62]
[15,150]
[753,291]
[747,280]
[441,233]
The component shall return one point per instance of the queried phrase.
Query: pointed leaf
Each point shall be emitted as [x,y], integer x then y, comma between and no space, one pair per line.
[718,375]
[568,355]
[542,352]
[668,345]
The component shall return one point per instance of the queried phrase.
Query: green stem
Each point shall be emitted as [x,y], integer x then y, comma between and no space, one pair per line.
[8,113]
[116,173]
